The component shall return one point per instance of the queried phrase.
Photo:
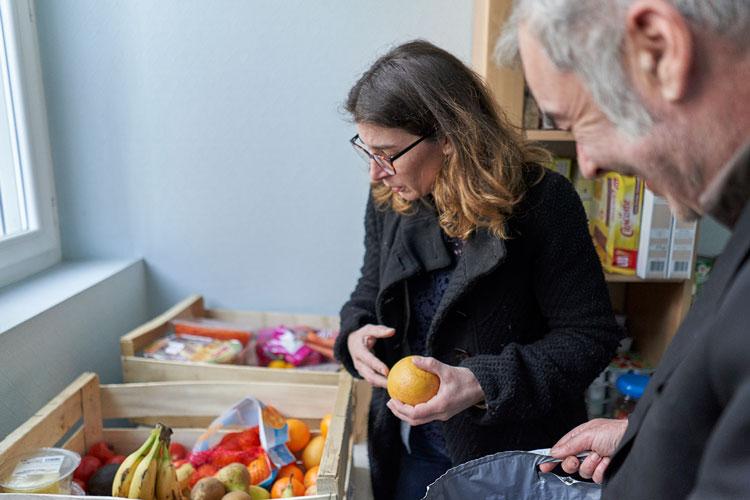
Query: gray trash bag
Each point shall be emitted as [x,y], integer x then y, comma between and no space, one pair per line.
[509,475]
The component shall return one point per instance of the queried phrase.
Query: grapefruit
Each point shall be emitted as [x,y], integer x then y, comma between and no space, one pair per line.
[411,385]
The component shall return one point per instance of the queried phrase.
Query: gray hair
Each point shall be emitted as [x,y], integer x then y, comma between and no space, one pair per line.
[586,36]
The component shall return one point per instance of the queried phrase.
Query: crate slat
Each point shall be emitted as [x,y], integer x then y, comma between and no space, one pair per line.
[207,399]
[92,413]
[138,369]
[337,448]
[262,319]
[51,422]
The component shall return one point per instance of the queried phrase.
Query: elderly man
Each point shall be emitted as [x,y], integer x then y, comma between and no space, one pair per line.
[661,89]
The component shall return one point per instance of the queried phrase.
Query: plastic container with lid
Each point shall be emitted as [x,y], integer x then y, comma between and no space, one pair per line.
[630,387]
[43,470]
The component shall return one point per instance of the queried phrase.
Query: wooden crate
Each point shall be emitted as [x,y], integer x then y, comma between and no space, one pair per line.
[139,369]
[74,418]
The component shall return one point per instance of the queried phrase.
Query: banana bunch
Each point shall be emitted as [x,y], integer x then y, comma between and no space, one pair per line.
[148,472]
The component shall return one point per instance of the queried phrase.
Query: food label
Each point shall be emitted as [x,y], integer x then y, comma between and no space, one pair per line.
[39,466]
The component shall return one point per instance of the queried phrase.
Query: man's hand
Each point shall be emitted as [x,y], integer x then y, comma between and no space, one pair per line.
[459,389]
[360,343]
[601,436]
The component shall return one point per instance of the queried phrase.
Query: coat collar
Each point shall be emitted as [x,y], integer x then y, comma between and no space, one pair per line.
[418,246]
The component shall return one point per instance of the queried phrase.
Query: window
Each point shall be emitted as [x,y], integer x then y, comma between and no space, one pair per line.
[29,236]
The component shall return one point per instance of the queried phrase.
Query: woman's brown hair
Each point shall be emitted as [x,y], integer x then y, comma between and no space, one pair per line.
[426,91]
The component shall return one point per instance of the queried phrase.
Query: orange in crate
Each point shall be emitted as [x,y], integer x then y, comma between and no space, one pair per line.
[311,477]
[324,423]
[291,470]
[287,487]
[259,469]
[299,434]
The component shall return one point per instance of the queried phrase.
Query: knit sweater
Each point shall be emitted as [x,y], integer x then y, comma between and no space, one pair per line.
[528,315]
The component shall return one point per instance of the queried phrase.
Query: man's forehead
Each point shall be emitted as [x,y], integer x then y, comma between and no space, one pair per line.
[551,86]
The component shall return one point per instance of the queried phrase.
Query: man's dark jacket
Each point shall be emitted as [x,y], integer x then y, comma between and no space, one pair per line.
[531,312]
[690,433]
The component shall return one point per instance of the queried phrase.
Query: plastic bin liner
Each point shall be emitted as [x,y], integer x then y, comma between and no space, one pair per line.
[509,475]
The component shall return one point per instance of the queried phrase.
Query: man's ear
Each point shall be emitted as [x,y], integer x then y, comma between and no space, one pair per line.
[659,49]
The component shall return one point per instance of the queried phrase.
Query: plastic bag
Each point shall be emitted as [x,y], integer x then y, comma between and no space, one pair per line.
[287,344]
[250,412]
[509,475]
[195,348]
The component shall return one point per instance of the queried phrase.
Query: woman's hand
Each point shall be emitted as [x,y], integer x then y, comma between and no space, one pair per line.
[360,344]
[459,389]
[601,436]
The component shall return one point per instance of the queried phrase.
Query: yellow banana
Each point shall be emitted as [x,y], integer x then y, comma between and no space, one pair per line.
[124,474]
[167,486]
[143,485]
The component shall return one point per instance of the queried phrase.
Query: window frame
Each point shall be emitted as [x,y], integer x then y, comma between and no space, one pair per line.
[30,252]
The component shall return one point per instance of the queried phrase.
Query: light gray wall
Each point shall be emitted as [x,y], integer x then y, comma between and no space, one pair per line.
[208,138]
[43,355]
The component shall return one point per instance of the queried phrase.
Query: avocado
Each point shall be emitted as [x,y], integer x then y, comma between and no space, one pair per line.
[100,482]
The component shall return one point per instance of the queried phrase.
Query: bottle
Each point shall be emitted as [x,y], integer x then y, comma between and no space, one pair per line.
[630,387]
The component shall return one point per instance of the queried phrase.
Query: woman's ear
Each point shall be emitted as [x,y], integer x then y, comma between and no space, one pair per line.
[447,146]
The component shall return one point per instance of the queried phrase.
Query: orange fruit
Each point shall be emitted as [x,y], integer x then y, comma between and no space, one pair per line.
[311,476]
[311,490]
[299,434]
[292,470]
[411,385]
[324,423]
[313,452]
[287,487]
[258,469]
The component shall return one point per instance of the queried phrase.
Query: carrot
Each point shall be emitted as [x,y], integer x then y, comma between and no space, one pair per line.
[215,332]
[314,338]
[325,351]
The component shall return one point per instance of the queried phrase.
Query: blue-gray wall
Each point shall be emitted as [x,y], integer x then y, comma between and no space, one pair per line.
[208,138]
[94,305]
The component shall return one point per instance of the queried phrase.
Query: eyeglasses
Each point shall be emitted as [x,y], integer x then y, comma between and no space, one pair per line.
[384,162]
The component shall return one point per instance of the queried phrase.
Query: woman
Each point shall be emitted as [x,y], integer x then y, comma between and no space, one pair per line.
[477,259]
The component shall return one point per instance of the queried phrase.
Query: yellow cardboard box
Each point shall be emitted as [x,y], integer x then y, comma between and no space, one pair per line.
[616,224]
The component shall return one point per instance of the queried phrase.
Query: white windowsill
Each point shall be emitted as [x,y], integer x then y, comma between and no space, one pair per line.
[41,292]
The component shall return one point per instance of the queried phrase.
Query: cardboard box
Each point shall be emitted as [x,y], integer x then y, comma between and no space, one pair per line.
[656,229]
[615,227]
[681,249]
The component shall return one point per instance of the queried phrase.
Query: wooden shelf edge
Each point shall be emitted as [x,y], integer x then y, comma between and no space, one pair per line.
[549,135]
[623,278]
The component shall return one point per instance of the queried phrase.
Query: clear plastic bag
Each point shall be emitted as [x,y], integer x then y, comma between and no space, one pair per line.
[247,413]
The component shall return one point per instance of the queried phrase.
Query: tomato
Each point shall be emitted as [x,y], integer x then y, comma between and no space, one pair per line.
[177,451]
[116,459]
[102,451]
[89,464]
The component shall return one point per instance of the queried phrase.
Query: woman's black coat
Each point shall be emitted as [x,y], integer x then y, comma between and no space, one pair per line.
[531,311]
